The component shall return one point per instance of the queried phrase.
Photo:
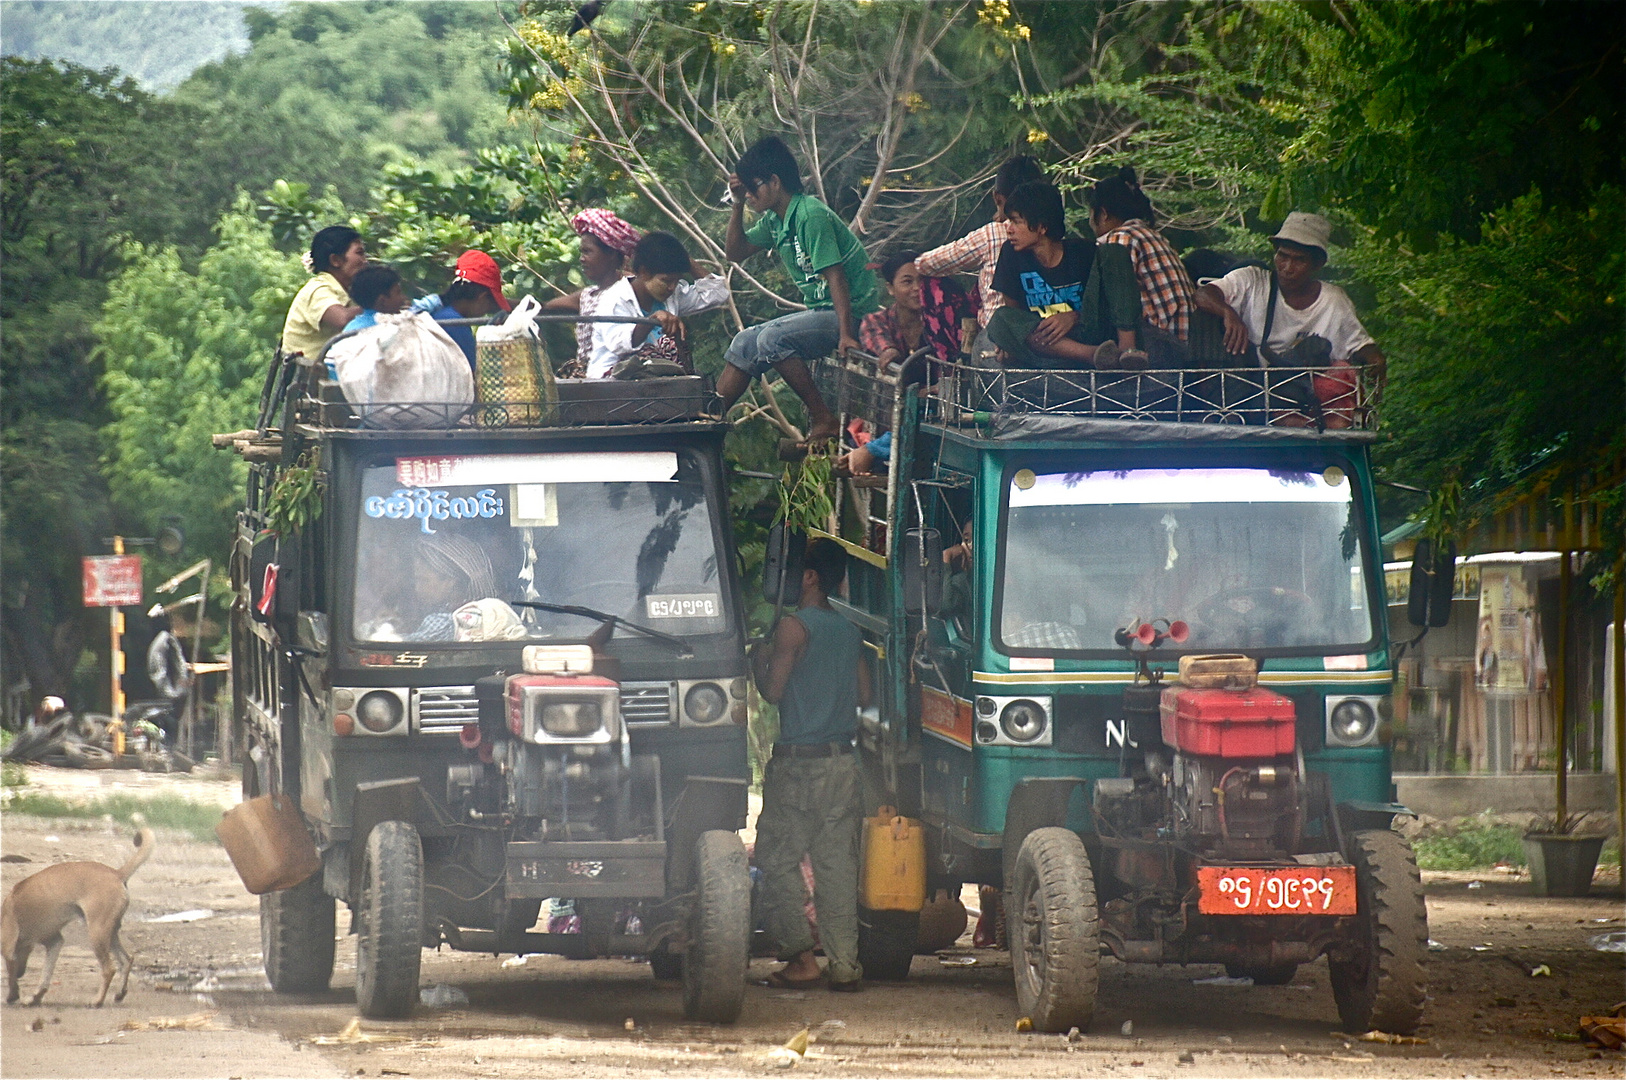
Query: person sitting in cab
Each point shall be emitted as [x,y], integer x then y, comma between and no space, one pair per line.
[323,305]
[1280,310]
[377,288]
[978,251]
[475,292]
[1067,303]
[1120,213]
[823,258]
[655,290]
[606,241]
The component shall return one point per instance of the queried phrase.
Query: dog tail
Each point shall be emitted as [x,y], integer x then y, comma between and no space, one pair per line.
[144,844]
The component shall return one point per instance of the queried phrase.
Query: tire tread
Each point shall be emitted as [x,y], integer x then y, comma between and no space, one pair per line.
[1071,930]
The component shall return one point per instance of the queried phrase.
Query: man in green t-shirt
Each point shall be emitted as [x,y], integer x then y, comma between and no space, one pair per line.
[820,254]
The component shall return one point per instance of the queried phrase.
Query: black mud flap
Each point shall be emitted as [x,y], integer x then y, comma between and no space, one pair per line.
[376,801]
[705,803]
[1038,802]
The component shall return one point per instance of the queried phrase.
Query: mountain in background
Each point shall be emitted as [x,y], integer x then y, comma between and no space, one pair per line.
[159,44]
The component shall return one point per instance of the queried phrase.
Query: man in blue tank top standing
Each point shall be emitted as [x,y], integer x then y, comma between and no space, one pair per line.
[813,671]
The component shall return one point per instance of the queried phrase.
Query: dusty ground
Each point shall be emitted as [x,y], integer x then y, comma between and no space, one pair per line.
[553,1017]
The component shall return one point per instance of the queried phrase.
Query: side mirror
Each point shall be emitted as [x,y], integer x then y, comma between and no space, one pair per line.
[922,571]
[782,566]
[1433,575]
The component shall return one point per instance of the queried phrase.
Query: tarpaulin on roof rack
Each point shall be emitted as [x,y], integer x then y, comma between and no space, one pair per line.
[1089,428]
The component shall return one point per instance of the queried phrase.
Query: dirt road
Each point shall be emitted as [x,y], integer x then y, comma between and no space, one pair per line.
[552,1017]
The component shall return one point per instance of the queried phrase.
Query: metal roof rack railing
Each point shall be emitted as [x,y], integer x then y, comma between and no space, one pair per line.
[1339,397]
[657,400]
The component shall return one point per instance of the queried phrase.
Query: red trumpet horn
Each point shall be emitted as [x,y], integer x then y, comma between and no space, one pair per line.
[1179,632]
[1146,633]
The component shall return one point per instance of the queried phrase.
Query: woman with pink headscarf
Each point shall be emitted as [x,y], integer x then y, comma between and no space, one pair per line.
[606,242]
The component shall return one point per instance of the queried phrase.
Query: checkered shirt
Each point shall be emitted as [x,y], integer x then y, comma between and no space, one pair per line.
[978,250]
[1166,293]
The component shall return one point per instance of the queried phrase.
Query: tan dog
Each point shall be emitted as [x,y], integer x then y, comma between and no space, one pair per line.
[43,903]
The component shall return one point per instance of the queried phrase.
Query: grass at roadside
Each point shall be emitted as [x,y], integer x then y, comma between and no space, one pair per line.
[1471,846]
[161,811]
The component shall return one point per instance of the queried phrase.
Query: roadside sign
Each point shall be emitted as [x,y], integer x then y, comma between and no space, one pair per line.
[112,580]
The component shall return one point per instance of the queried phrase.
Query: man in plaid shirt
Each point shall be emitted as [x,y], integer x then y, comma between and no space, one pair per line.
[1122,214]
[978,250]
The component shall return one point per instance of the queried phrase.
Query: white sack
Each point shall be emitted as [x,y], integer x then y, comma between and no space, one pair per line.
[405,359]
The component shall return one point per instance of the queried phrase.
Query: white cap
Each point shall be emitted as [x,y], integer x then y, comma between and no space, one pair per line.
[1305,230]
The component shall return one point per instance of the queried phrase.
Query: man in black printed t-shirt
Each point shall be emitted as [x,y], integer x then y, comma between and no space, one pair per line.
[1068,303]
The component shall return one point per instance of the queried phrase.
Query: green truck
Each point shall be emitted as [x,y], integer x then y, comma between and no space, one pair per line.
[1146,694]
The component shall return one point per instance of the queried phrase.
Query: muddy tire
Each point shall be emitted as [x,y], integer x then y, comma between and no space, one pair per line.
[1380,981]
[389,942]
[886,943]
[1274,975]
[296,937]
[719,930]
[1055,931]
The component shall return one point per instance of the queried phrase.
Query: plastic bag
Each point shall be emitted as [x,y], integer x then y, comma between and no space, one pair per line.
[521,322]
[404,372]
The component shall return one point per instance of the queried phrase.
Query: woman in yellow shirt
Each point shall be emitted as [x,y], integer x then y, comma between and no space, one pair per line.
[322,307]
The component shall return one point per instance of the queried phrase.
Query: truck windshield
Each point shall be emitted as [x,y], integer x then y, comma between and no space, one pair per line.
[445,544]
[1249,558]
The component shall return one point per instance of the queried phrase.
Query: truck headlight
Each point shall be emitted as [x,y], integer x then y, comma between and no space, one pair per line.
[570,719]
[1023,721]
[705,703]
[580,710]
[1352,721]
[380,712]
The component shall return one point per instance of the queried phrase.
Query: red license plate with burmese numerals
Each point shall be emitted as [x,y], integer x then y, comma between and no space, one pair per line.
[1295,890]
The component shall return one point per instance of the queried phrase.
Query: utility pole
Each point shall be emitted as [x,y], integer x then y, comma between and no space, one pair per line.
[116,621]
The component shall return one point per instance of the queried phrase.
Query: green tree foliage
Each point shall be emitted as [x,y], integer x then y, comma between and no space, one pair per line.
[1509,349]
[157,43]
[86,164]
[185,354]
[338,89]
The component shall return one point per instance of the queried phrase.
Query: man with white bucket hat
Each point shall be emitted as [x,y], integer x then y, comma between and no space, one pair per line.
[1305,306]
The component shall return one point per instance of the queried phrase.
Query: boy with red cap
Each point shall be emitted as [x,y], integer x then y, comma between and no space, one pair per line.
[475,291]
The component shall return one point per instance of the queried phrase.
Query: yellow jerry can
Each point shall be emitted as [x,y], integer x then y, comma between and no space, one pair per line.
[894,870]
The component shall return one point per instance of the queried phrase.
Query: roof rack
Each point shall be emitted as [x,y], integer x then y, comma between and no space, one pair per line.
[667,399]
[1341,398]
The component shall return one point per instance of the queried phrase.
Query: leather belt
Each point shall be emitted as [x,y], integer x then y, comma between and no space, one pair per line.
[818,750]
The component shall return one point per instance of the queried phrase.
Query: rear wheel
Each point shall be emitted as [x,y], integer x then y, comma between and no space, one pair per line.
[1379,980]
[1271,975]
[296,937]
[719,930]
[886,943]
[1054,931]
[389,943]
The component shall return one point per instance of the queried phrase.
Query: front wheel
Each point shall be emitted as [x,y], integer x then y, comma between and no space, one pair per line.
[1379,982]
[296,937]
[1055,931]
[719,930]
[389,943]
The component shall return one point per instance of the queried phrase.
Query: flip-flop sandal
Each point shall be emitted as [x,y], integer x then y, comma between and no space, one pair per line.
[777,981]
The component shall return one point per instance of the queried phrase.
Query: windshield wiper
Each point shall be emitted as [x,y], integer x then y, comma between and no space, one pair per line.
[684,652]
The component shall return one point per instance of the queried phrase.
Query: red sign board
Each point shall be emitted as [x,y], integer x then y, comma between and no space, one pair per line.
[112,580]
[1298,890]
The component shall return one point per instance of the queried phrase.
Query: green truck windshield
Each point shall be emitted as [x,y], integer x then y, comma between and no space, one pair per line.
[445,546]
[1250,558]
